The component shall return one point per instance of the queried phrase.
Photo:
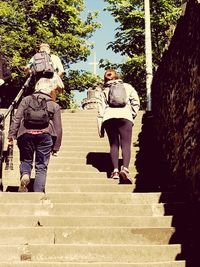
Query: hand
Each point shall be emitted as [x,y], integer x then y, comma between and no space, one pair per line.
[54,153]
[27,70]
[2,82]
[10,141]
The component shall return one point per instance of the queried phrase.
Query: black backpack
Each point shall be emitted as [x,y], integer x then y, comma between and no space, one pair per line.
[36,115]
[42,65]
[117,97]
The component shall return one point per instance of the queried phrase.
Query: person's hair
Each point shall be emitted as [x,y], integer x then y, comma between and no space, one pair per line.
[44,47]
[110,74]
[44,85]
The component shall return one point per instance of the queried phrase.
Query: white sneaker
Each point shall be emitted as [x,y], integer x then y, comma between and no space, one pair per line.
[115,175]
[25,180]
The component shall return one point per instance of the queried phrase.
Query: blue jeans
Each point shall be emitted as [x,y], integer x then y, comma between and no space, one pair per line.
[40,146]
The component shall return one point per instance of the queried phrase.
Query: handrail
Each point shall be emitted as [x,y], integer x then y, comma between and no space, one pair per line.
[9,153]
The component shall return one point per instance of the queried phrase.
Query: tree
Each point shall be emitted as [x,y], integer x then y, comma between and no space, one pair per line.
[27,23]
[129,38]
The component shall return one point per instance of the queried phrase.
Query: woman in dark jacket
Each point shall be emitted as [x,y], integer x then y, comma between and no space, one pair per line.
[36,142]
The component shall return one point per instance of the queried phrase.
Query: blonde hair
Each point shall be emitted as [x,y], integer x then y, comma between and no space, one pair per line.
[45,47]
[110,74]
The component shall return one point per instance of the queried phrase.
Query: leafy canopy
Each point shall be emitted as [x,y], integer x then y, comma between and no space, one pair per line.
[130,35]
[24,24]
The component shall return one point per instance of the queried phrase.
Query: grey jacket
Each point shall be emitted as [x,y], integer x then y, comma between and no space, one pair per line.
[55,126]
[128,112]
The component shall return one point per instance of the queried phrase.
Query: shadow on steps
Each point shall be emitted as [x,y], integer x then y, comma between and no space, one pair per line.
[101,161]
[154,176]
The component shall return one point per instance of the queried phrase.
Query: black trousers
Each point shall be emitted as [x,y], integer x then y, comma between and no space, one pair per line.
[119,132]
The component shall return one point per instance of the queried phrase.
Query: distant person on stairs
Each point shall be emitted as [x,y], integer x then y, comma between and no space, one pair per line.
[36,138]
[117,116]
[55,61]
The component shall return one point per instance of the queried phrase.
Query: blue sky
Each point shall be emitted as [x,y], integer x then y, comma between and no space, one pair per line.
[101,38]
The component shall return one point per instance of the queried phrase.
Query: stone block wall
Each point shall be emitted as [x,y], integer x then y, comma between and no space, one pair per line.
[176,100]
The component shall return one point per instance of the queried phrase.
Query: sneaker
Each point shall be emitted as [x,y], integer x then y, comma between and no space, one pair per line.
[114,175]
[25,180]
[124,176]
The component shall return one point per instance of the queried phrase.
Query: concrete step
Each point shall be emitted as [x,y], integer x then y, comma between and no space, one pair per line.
[88,188]
[89,253]
[82,209]
[91,126]
[88,197]
[85,221]
[91,264]
[85,181]
[92,137]
[92,130]
[90,119]
[85,235]
[68,185]
[63,174]
[114,198]
[78,174]
[76,167]
[81,158]
[83,143]
[59,166]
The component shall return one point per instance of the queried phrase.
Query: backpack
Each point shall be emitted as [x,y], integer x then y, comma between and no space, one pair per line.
[36,115]
[42,65]
[117,97]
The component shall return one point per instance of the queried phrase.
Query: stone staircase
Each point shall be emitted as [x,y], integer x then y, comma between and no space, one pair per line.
[84,218]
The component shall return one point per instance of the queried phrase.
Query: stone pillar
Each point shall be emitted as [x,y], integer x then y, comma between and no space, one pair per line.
[91,101]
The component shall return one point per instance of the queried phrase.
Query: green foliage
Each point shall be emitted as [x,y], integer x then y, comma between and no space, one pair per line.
[66,101]
[24,24]
[130,35]
[81,80]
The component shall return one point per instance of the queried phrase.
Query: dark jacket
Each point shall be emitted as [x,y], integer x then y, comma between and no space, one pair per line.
[55,126]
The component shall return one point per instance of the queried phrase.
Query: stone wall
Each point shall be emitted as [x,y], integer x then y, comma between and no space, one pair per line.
[176,100]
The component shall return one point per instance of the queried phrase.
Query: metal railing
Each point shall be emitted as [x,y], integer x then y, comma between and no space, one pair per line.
[7,156]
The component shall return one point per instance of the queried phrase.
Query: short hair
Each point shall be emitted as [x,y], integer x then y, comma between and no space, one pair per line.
[44,45]
[111,74]
[44,85]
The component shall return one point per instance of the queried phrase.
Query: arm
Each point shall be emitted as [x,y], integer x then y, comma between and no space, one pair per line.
[100,114]
[57,64]
[135,102]
[28,67]
[58,128]
[101,105]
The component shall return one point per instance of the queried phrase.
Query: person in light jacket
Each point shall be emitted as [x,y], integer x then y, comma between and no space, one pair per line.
[118,123]
[36,144]
[57,83]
